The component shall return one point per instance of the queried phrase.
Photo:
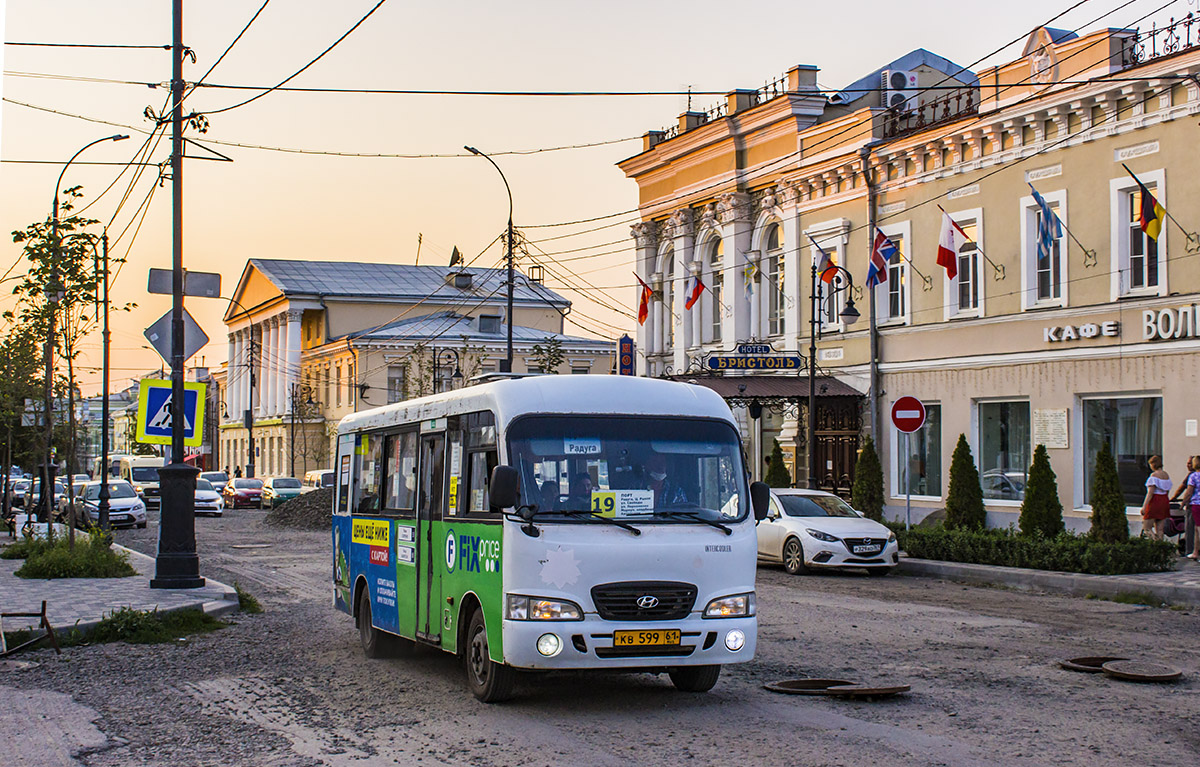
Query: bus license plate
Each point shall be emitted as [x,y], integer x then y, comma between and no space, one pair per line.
[646,638]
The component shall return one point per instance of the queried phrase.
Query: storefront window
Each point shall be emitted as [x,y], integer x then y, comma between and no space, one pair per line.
[1132,426]
[1004,449]
[920,470]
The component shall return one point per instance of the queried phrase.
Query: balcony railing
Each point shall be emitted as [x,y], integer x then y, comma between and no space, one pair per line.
[955,105]
[1157,42]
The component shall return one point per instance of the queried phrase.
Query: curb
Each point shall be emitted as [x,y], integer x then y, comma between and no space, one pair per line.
[1071,584]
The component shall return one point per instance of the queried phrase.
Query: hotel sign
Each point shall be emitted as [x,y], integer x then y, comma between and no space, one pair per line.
[754,357]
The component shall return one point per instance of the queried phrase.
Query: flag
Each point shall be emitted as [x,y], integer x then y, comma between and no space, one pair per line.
[1151,214]
[883,253]
[644,302]
[825,262]
[1049,228]
[694,292]
[749,275]
[949,243]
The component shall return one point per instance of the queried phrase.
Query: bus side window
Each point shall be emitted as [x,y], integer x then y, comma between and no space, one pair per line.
[400,484]
[370,474]
[479,470]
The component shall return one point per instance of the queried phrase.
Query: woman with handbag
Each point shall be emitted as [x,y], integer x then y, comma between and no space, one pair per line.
[1191,502]
[1157,506]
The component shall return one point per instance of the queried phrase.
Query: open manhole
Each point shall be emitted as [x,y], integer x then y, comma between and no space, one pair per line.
[867,691]
[1141,671]
[251,545]
[1089,664]
[806,686]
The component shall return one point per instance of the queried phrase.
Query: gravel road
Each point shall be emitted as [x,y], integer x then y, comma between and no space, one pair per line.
[291,687]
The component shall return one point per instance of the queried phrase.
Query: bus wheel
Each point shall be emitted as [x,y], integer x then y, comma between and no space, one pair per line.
[695,678]
[489,681]
[372,639]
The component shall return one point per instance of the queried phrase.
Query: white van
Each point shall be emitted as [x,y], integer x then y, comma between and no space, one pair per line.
[314,480]
[141,471]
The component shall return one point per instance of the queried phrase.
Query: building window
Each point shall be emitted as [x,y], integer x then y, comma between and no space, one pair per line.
[1044,278]
[964,294]
[1139,262]
[337,383]
[324,373]
[1132,427]
[1004,449]
[668,269]
[776,298]
[395,383]
[351,386]
[919,469]
[716,284]
[580,371]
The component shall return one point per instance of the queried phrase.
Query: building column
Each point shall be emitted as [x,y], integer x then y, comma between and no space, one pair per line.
[292,357]
[793,247]
[260,371]
[733,211]
[272,357]
[682,234]
[647,248]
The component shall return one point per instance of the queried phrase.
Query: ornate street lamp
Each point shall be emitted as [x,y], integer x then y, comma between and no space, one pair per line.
[841,281]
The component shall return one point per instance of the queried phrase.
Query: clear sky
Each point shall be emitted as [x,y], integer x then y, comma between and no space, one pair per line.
[282,205]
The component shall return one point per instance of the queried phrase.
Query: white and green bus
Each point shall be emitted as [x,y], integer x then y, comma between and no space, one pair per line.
[550,522]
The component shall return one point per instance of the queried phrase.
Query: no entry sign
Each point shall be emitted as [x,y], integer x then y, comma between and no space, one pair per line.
[908,414]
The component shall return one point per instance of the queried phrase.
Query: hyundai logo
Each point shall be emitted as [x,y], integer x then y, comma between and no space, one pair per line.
[647,602]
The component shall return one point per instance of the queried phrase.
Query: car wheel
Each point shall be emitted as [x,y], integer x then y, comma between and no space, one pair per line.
[695,678]
[490,682]
[878,572]
[793,557]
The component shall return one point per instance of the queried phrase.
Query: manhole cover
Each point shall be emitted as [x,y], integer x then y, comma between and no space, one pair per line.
[867,691]
[1089,664]
[806,686]
[1141,671]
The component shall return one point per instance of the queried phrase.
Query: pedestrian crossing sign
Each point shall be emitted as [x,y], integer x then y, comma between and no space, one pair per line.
[154,412]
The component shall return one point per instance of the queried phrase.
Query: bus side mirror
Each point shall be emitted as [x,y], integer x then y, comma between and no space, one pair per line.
[760,499]
[504,489]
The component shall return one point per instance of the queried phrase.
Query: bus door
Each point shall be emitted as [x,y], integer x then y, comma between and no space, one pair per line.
[429,511]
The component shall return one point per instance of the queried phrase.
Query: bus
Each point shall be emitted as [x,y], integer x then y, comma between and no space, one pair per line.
[141,471]
[550,522]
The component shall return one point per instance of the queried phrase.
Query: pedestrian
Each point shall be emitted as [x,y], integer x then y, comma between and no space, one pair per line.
[1191,501]
[1157,506]
[1176,524]
[237,472]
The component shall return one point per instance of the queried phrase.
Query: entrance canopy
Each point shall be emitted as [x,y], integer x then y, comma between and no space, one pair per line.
[769,390]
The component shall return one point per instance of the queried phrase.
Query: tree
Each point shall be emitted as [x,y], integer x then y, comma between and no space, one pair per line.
[866,494]
[548,355]
[1041,511]
[1109,524]
[964,498]
[777,473]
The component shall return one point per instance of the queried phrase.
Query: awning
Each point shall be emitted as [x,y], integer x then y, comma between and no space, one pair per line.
[192,457]
[770,387]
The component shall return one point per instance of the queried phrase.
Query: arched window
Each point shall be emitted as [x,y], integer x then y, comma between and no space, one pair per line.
[775,277]
[716,281]
[667,260]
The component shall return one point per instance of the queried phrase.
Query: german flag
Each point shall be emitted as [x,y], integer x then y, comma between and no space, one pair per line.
[1151,215]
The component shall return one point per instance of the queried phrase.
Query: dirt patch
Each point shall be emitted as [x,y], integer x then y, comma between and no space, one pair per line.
[310,511]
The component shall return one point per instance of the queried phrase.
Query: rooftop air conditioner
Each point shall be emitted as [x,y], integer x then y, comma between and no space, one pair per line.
[899,88]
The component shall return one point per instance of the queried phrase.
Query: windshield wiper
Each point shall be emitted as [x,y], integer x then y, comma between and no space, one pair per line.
[597,517]
[695,516]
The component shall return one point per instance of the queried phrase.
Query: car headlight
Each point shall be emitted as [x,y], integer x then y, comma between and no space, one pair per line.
[734,606]
[820,536]
[891,537]
[138,489]
[521,608]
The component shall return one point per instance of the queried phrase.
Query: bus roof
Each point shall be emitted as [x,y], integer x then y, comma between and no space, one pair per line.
[574,394]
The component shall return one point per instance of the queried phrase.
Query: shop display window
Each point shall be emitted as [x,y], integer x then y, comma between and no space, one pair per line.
[1004,449]
[1132,426]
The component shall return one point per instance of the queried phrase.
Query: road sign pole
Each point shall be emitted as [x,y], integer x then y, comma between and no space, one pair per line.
[907,484]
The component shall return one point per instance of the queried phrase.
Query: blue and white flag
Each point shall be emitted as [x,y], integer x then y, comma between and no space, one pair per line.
[1049,227]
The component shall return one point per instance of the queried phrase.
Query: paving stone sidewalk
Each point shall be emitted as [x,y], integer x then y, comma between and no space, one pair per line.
[82,602]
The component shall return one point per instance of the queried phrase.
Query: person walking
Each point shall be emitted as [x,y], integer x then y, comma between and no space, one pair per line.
[1191,502]
[1157,506]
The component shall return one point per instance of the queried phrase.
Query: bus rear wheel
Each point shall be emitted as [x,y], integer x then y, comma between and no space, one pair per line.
[490,682]
[695,678]
[372,639]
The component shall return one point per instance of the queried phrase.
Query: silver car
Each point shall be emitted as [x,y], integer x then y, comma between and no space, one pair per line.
[125,508]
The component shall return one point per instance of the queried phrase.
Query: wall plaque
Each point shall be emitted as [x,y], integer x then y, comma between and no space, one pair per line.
[1050,428]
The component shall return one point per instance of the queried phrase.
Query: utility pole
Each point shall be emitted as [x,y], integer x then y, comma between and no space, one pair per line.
[248,414]
[873,397]
[177,566]
[103,505]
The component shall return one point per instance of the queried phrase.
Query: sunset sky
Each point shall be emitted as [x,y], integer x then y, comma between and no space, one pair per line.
[274,204]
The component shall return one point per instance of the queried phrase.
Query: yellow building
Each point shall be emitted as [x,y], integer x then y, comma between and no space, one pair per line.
[312,341]
[1092,341]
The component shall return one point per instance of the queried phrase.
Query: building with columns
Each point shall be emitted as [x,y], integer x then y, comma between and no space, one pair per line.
[1084,340]
[312,341]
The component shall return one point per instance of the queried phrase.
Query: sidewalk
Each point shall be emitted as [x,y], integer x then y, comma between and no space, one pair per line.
[1180,586]
[82,602]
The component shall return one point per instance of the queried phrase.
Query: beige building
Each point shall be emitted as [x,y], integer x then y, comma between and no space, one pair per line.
[312,341]
[1095,341]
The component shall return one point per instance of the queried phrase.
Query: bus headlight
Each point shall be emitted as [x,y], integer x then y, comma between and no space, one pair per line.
[549,645]
[735,606]
[522,608]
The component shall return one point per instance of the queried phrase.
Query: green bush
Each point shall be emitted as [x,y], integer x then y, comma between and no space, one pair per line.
[90,559]
[22,548]
[1065,552]
[140,627]
[866,494]
[1108,502]
[777,473]
[1041,511]
[964,498]
[247,602]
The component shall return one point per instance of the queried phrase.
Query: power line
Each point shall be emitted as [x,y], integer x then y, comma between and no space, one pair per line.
[229,47]
[89,45]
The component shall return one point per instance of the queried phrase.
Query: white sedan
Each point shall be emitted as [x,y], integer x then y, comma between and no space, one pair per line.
[208,500]
[808,529]
[125,508]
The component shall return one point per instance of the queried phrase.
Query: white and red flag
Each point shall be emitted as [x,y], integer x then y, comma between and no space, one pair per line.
[949,243]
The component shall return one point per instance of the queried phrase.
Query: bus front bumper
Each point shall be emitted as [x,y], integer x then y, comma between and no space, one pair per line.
[589,644]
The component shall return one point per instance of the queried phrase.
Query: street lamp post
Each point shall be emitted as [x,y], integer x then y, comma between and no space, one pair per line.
[52,297]
[103,506]
[849,315]
[437,366]
[506,365]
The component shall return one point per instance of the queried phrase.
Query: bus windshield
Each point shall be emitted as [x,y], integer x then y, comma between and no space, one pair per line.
[629,469]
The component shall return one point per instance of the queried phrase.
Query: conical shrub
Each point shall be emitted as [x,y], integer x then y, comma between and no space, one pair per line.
[777,473]
[866,494]
[1041,511]
[1109,524]
[964,498]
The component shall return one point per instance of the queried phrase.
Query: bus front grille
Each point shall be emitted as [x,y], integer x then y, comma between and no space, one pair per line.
[620,601]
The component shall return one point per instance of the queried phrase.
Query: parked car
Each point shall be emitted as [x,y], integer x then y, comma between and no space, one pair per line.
[125,507]
[75,478]
[17,491]
[208,500]
[218,479]
[243,492]
[64,503]
[33,494]
[317,479]
[1008,486]
[276,490]
[809,529]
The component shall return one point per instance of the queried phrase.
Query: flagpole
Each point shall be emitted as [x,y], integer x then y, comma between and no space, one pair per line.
[872,224]
[1086,250]
[1167,213]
